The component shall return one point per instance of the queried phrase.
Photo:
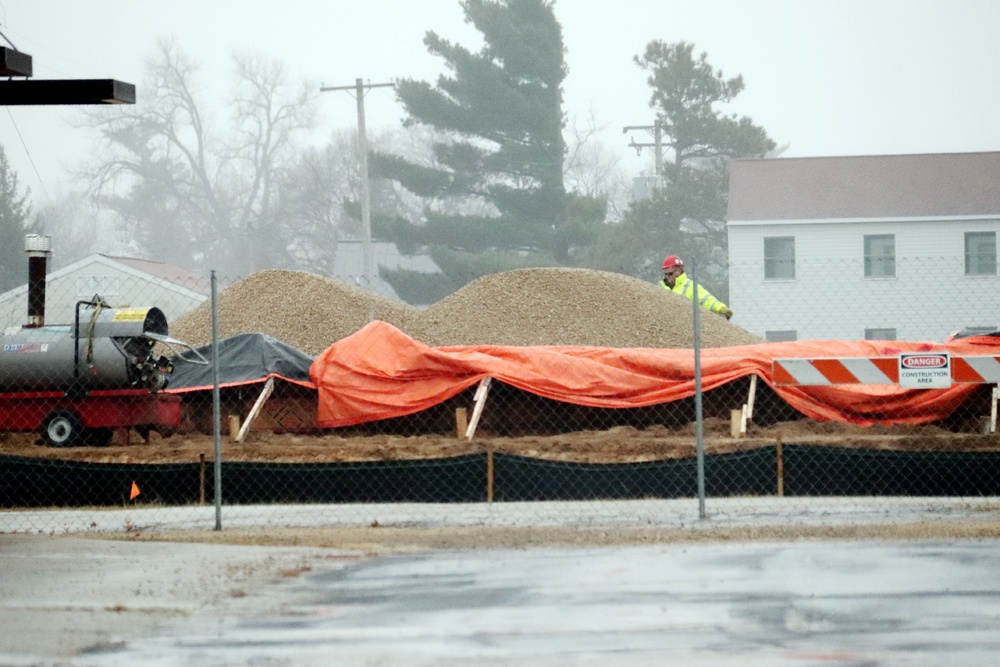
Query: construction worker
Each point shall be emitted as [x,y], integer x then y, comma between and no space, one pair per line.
[675,280]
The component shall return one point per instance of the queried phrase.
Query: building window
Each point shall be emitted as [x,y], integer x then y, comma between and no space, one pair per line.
[779,258]
[90,286]
[781,336]
[980,253]
[880,255]
[880,334]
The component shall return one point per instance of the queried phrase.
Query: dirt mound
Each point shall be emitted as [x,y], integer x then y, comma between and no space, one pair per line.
[306,311]
[548,306]
[560,306]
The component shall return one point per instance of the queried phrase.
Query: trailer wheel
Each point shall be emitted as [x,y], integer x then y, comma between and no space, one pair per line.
[61,428]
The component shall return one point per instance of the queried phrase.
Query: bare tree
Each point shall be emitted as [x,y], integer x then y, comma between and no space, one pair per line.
[592,168]
[315,202]
[188,191]
[78,229]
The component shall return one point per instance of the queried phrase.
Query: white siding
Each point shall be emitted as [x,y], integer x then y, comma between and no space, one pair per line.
[830,298]
[64,288]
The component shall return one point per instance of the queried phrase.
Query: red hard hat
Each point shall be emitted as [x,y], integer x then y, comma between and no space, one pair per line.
[672,260]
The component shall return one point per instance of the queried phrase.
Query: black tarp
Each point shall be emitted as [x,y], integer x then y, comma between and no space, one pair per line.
[243,359]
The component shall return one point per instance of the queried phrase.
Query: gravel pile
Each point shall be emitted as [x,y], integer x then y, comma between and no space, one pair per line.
[559,306]
[545,306]
[306,311]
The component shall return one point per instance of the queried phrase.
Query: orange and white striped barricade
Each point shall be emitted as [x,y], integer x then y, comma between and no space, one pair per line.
[888,370]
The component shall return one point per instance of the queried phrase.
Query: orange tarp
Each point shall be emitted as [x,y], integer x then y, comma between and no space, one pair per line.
[379,373]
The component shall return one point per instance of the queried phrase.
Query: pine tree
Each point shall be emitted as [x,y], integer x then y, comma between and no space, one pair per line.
[495,194]
[686,216]
[14,212]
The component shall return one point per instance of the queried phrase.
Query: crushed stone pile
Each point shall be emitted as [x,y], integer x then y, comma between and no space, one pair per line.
[565,306]
[539,306]
[306,311]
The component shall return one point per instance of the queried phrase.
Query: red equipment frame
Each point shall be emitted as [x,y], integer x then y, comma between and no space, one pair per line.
[118,409]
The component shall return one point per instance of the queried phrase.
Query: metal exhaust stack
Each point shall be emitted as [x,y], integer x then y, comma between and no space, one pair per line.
[38,248]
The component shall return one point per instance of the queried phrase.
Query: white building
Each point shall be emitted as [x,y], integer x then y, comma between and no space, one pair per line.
[348,265]
[119,281]
[128,281]
[889,247]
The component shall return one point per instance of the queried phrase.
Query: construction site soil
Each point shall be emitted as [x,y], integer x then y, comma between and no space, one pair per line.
[616,445]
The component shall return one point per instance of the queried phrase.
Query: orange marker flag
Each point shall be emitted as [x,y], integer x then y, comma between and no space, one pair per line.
[134,492]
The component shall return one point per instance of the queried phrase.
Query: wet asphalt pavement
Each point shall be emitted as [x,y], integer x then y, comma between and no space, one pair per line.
[800,603]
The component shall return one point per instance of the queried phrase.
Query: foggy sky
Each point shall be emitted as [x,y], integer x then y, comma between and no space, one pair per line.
[826,77]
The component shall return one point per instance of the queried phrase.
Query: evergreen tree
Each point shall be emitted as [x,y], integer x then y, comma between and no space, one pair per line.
[14,212]
[495,193]
[686,216]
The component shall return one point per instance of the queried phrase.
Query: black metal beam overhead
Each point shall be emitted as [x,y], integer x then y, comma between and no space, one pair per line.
[47,92]
[66,91]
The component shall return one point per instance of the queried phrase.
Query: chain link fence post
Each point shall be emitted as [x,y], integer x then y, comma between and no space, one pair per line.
[698,407]
[216,408]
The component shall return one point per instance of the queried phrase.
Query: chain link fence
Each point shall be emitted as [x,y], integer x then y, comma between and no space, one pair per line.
[511,391]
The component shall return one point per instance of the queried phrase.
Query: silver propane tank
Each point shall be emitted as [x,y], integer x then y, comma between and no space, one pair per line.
[105,348]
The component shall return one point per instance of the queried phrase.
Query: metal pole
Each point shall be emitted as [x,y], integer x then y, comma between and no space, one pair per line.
[366,207]
[658,148]
[699,423]
[656,129]
[366,215]
[216,409]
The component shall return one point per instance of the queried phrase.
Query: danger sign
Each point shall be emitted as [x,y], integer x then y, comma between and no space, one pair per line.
[925,370]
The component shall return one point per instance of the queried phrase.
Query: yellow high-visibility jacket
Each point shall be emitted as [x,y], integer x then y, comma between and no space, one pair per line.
[686,287]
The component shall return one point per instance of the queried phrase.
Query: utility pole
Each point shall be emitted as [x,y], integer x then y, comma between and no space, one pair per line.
[366,212]
[657,144]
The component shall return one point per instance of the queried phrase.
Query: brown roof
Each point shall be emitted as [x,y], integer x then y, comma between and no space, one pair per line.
[874,186]
[168,272]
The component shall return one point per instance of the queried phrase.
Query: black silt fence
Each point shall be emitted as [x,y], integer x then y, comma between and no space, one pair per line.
[812,470]
[33,482]
[809,470]
[448,480]
[742,473]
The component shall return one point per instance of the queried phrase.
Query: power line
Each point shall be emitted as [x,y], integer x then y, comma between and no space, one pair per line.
[31,160]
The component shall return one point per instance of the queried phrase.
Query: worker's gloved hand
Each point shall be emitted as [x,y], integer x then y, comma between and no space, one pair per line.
[727,313]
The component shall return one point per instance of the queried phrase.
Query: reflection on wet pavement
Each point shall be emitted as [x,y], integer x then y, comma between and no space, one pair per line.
[801,603]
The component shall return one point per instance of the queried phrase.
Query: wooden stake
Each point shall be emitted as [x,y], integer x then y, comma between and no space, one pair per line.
[255,410]
[993,409]
[234,426]
[735,417]
[477,410]
[751,397]
[781,468]
[461,421]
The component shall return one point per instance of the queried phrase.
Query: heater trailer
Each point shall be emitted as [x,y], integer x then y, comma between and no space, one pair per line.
[91,420]
[77,384]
